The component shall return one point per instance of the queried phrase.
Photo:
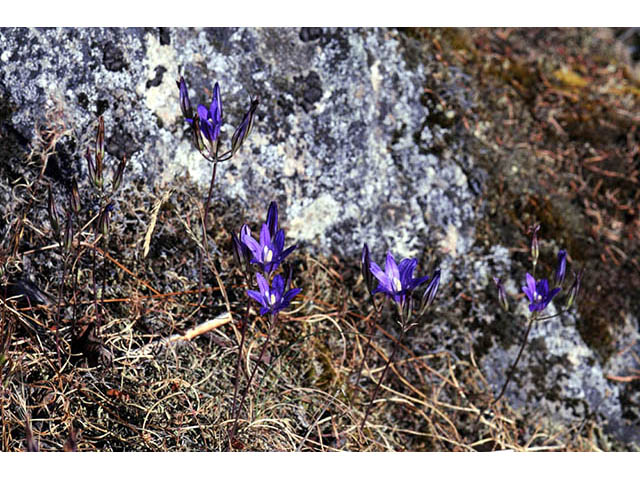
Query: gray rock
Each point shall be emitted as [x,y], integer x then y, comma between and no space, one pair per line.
[343,141]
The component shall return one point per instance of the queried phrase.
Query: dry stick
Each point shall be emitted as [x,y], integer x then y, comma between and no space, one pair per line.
[375,392]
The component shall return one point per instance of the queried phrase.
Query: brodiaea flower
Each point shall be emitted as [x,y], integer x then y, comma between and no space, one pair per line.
[269,253]
[274,298]
[210,119]
[538,293]
[397,280]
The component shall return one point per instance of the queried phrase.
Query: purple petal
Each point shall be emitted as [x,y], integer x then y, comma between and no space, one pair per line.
[287,252]
[203,113]
[256,296]
[391,267]
[383,279]
[406,268]
[543,288]
[249,241]
[265,237]
[262,284]
[216,105]
[279,241]
[277,287]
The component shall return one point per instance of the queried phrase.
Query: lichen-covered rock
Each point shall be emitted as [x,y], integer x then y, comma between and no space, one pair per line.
[346,141]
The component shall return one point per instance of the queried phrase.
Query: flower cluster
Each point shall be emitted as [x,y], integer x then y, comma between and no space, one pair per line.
[206,123]
[268,254]
[397,280]
[538,292]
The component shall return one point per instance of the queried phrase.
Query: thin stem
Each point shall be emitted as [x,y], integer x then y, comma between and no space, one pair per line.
[205,243]
[58,303]
[234,429]
[384,372]
[370,332]
[245,321]
[515,364]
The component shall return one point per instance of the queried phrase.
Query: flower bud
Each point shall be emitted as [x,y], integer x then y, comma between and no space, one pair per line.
[575,288]
[562,267]
[272,219]
[100,143]
[198,139]
[53,214]
[185,103]
[535,250]
[74,199]
[502,295]
[430,292]
[365,267]
[91,166]
[241,253]
[68,233]
[244,129]
[104,220]
[118,174]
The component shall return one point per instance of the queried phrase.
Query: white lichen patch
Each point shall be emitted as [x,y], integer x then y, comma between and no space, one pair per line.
[162,100]
[309,222]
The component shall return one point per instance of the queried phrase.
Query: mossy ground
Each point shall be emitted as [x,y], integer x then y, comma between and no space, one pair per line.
[556,135]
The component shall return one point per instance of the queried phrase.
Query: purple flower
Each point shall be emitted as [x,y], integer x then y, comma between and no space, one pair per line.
[269,253]
[210,119]
[274,298]
[538,293]
[397,280]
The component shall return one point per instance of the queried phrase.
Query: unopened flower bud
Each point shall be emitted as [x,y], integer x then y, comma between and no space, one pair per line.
[185,103]
[575,288]
[365,267]
[561,271]
[430,292]
[241,252]
[118,174]
[53,214]
[68,233]
[244,129]
[100,143]
[74,199]
[502,295]
[535,250]
[104,221]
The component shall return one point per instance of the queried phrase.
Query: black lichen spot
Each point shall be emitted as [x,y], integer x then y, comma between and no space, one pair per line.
[309,34]
[101,106]
[83,100]
[113,58]
[309,90]
[165,35]
[157,80]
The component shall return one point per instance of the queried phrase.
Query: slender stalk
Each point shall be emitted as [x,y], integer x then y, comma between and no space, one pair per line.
[515,364]
[371,330]
[205,243]
[58,304]
[384,372]
[245,321]
[234,428]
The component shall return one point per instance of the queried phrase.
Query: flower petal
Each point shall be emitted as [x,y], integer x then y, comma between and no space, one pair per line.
[265,237]
[272,218]
[391,267]
[262,284]
[256,296]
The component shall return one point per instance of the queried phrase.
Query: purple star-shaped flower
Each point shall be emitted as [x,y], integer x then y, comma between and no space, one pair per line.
[274,298]
[397,280]
[538,293]
[210,119]
[269,253]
